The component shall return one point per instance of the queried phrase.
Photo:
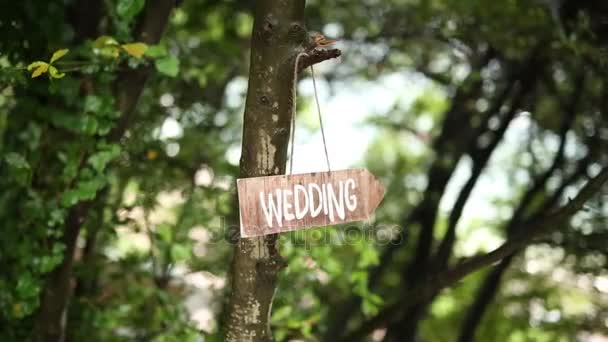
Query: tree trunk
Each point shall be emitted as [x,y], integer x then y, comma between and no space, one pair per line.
[279,35]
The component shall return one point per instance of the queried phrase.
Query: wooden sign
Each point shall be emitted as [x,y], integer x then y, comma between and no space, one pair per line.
[277,204]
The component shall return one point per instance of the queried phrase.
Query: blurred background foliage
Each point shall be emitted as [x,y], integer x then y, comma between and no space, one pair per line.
[512,92]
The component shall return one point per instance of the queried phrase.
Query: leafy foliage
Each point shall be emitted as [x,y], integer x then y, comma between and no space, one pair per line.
[155,183]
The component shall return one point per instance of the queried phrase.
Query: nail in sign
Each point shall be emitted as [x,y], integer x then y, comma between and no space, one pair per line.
[277,204]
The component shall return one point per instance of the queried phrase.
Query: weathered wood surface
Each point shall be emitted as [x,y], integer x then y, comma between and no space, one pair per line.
[274,204]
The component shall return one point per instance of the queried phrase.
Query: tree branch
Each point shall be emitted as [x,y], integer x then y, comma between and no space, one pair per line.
[423,264]
[480,159]
[130,83]
[317,56]
[529,231]
[483,298]
[491,283]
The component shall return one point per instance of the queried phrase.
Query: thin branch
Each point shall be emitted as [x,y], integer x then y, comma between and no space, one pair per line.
[317,56]
[423,264]
[130,83]
[491,283]
[480,159]
[484,296]
[527,233]
[594,146]
[439,77]
[570,116]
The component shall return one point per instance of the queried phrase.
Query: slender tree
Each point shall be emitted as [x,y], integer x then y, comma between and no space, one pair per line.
[279,36]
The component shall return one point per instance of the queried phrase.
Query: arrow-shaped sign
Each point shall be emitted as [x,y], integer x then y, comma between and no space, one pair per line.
[277,204]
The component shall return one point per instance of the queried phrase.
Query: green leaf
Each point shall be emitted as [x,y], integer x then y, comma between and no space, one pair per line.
[104,41]
[54,73]
[368,257]
[70,169]
[100,106]
[104,126]
[35,64]
[370,306]
[57,217]
[69,198]
[85,124]
[359,277]
[136,50]
[39,68]
[58,249]
[20,171]
[168,66]
[100,159]
[109,51]
[244,24]
[129,8]
[179,252]
[16,161]
[156,51]
[88,125]
[282,314]
[86,190]
[106,46]
[58,54]
[27,286]
[47,263]
[92,104]
[165,232]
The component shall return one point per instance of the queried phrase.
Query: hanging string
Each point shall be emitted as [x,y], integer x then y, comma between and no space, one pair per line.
[314,86]
[293,113]
[293,109]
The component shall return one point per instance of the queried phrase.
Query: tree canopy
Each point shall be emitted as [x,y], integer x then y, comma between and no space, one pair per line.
[121,124]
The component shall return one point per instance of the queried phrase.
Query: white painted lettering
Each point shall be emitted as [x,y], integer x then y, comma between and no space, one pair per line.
[314,211]
[334,203]
[272,208]
[300,211]
[309,201]
[324,198]
[287,214]
[351,200]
